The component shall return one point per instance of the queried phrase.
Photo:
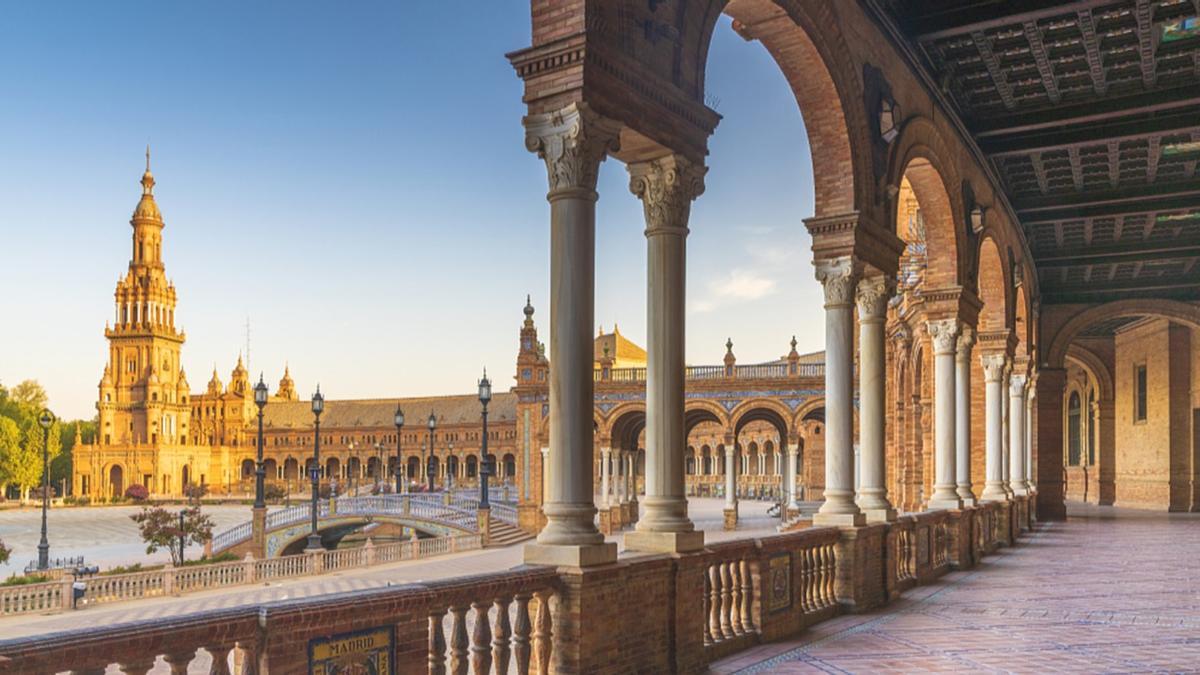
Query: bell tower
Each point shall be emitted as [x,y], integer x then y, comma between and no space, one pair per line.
[143,394]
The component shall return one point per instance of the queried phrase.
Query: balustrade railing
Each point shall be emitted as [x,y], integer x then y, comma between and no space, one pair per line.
[505,513]
[234,535]
[44,597]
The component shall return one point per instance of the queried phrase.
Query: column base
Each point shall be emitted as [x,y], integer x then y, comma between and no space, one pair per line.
[839,519]
[731,518]
[969,501]
[565,555]
[946,503]
[887,515]
[993,494]
[664,542]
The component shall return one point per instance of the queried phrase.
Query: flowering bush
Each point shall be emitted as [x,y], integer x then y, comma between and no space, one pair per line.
[137,493]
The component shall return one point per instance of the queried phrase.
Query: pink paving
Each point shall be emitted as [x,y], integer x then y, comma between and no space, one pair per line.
[1108,591]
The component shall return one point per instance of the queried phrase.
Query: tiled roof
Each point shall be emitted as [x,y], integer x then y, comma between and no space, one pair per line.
[462,409]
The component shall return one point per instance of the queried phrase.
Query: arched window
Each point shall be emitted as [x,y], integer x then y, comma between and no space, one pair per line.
[1073,430]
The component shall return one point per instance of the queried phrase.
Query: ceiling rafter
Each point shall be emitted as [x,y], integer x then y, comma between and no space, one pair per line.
[1154,152]
[1114,163]
[1039,171]
[1144,13]
[1091,45]
[1076,168]
[1037,48]
[992,63]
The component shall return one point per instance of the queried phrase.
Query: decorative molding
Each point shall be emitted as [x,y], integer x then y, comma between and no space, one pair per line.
[666,186]
[993,366]
[873,295]
[572,141]
[1016,386]
[966,340]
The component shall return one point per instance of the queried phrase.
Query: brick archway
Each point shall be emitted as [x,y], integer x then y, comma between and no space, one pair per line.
[1066,334]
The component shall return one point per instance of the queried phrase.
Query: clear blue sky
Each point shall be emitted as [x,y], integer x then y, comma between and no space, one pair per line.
[356,184]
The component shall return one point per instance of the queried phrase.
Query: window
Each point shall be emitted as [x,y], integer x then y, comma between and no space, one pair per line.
[1073,430]
[1139,393]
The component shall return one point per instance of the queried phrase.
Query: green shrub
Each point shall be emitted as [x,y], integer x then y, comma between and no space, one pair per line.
[227,556]
[15,580]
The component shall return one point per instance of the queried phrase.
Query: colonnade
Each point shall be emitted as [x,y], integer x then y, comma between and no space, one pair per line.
[573,141]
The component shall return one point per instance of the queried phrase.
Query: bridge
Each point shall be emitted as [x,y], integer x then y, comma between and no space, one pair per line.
[285,531]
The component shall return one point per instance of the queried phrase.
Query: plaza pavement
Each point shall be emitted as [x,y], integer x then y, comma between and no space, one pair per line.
[706,513]
[1108,591]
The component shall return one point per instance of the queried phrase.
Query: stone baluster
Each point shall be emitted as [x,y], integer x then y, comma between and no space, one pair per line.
[481,639]
[135,667]
[707,606]
[944,335]
[437,644]
[502,636]
[805,581]
[179,661]
[521,634]
[220,660]
[543,635]
[714,603]
[572,141]
[726,602]
[747,616]
[735,598]
[839,276]
[458,640]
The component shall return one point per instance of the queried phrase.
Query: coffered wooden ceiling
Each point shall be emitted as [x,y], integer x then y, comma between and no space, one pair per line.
[1089,112]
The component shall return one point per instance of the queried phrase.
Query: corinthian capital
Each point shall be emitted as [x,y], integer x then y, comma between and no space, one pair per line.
[873,295]
[993,367]
[1016,386]
[966,340]
[667,186]
[573,141]
[944,334]
[840,277]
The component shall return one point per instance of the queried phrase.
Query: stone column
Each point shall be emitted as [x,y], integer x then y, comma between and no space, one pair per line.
[572,141]
[793,463]
[962,416]
[666,187]
[619,481]
[1016,442]
[840,277]
[605,470]
[993,372]
[944,335]
[731,500]
[1030,393]
[1006,420]
[873,296]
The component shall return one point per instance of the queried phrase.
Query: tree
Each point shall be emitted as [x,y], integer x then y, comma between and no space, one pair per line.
[194,492]
[161,528]
[10,448]
[5,552]
[26,469]
[30,394]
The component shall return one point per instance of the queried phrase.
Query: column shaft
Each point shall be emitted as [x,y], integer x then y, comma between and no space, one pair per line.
[993,370]
[605,470]
[730,472]
[1016,441]
[1005,420]
[962,423]
[873,295]
[840,278]
[944,334]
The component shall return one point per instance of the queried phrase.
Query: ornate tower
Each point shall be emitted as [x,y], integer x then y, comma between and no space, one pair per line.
[143,393]
[287,388]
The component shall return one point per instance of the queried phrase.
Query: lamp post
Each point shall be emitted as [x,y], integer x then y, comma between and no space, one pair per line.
[260,400]
[318,406]
[182,535]
[380,472]
[46,420]
[485,467]
[400,484]
[430,471]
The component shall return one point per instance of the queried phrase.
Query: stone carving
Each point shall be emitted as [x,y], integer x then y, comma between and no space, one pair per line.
[944,334]
[840,277]
[573,141]
[1016,386]
[667,187]
[873,295]
[966,340]
[993,366]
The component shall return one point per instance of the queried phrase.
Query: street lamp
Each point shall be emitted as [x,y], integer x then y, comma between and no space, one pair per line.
[399,464]
[318,407]
[46,420]
[260,400]
[380,473]
[430,471]
[485,467]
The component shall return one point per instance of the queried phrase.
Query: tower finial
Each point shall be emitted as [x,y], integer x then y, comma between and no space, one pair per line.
[147,158]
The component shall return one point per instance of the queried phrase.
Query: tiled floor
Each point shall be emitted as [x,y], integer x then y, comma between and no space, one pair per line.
[1109,591]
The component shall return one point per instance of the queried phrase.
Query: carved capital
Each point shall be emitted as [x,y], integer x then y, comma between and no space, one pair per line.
[667,186]
[944,335]
[966,340]
[573,141]
[840,277]
[993,367]
[1016,386]
[873,295]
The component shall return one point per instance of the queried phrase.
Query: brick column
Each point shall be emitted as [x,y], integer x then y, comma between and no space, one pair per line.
[1051,384]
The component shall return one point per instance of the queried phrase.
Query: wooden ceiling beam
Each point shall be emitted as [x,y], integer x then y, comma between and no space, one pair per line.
[1175,122]
[1105,111]
[1110,254]
[1022,11]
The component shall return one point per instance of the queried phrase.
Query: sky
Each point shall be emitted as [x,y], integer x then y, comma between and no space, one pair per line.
[353,184]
